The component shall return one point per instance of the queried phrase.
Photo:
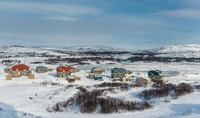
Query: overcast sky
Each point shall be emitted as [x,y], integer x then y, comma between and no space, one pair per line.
[137,24]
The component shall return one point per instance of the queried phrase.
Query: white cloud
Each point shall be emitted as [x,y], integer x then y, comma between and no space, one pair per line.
[181,13]
[63,18]
[48,10]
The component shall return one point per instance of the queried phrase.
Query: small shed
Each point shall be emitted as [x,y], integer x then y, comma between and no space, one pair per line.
[50,69]
[31,76]
[142,81]
[118,72]
[72,78]
[77,78]
[128,79]
[97,70]
[9,77]
[91,75]
[41,69]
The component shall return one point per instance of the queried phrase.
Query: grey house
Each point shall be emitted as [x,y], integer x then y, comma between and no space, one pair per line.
[97,70]
[118,72]
[41,69]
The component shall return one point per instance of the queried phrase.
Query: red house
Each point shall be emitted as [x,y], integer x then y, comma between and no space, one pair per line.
[64,71]
[20,67]
[20,70]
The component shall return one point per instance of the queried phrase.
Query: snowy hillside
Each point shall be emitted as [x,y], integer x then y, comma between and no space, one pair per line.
[23,51]
[95,48]
[180,51]
[180,48]
[186,51]
[15,50]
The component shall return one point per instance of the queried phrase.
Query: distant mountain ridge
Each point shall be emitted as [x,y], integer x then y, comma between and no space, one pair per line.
[93,48]
[183,51]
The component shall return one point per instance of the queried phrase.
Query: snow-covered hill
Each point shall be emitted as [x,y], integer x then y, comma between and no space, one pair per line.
[16,50]
[94,48]
[185,51]
[182,51]
[180,48]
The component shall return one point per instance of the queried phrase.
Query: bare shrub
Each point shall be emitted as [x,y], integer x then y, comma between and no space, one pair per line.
[182,89]
[197,86]
[105,84]
[163,90]
[89,106]
[109,105]
[90,101]
[154,93]
[82,89]
[49,109]
[167,85]
[57,107]
[121,86]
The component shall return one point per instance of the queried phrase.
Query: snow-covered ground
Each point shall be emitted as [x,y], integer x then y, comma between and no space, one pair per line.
[25,98]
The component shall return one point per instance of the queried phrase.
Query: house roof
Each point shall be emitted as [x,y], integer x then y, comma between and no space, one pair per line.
[154,72]
[41,67]
[118,70]
[20,67]
[64,69]
[96,69]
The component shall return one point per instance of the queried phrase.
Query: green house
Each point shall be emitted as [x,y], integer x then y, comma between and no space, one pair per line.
[41,69]
[118,72]
[155,75]
[99,78]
